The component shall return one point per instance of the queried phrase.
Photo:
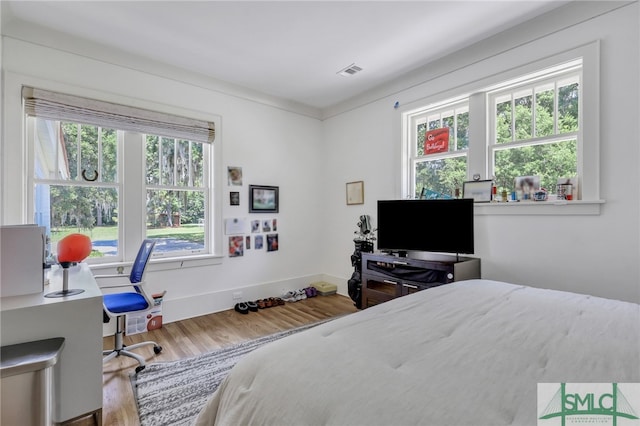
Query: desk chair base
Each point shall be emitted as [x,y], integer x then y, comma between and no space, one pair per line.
[119,347]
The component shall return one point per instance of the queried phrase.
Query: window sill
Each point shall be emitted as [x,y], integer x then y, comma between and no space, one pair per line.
[535,208]
[164,263]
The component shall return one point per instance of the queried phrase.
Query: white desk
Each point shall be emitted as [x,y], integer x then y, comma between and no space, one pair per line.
[77,376]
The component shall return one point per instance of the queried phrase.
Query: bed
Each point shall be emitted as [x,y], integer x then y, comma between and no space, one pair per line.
[466,353]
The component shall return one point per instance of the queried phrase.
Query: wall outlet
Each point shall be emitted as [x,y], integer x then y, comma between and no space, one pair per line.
[237,295]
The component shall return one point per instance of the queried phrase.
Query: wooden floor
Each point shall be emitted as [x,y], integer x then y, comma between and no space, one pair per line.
[200,335]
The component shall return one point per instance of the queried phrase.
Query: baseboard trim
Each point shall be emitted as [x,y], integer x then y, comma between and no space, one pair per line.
[176,309]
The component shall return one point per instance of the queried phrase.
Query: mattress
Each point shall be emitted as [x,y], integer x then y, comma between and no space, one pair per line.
[466,353]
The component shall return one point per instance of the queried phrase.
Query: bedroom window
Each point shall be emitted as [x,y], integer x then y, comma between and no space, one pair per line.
[76,182]
[439,144]
[535,130]
[176,193]
[538,119]
[116,180]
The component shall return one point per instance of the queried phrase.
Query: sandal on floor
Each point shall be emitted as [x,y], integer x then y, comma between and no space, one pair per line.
[275,301]
[253,306]
[242,308]
[261,303]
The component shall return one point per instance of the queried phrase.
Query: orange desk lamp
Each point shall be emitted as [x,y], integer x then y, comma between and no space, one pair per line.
[71,249]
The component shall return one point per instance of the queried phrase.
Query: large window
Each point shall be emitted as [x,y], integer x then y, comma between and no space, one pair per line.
[119,186]
[529,125]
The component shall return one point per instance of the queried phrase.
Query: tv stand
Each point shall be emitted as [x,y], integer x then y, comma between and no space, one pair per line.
[385,276]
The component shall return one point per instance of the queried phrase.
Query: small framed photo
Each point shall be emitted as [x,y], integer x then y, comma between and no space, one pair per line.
[263,199]
[236,246]
[258,242]
[234,176]
[234,198]
[479,190]
[272,242]
[355,192]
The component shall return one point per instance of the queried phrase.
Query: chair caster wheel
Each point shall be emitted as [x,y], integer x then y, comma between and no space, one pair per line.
[157,349]
[139,368]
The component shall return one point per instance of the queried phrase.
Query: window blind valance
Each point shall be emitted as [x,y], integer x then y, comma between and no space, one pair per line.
[58,106]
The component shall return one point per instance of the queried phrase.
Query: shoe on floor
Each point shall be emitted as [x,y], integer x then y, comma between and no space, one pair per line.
[301,295]
[242,308]
[289,296]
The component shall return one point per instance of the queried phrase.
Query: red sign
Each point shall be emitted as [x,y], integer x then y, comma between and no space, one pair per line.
[436,141]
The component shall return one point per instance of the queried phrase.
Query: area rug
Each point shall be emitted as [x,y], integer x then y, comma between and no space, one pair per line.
[173,393]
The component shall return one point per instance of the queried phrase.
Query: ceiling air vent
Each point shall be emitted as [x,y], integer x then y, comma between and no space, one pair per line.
[349,71]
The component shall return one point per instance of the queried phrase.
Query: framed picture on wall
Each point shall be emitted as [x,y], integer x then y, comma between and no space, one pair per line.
[272,242]
[263,199]
[234,176]
[355,192]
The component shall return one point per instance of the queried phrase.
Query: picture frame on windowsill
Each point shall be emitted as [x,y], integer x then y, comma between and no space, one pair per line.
[479,190]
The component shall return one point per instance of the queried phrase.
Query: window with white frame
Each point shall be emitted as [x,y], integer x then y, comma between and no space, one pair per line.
[76,182]
[533,126]
[82,173]
[439,143]
[177,193]
[534,130]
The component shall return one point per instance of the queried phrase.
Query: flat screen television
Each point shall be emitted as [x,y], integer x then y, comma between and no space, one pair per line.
[426,225]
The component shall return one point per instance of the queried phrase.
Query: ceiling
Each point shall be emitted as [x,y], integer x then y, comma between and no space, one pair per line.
[287,49]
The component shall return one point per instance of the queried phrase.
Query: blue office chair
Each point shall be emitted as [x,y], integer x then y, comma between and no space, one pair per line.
[117,305]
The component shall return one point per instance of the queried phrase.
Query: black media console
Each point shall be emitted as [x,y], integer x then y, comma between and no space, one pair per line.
[385,277]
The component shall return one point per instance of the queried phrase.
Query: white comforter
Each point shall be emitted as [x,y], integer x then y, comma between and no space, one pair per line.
[468,353]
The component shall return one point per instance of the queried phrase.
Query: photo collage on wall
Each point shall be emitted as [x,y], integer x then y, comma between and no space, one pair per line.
[263,235]
[269,228]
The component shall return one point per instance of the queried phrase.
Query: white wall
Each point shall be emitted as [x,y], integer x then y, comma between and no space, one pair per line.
[587,254]
[273,147]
